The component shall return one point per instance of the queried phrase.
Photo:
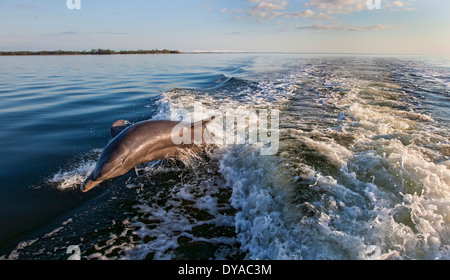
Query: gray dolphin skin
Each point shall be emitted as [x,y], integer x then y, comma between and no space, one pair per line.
[135,144]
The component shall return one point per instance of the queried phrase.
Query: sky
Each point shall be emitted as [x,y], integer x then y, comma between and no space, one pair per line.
[313,26]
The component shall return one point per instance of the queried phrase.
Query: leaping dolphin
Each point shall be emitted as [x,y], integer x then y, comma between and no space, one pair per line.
[142,142]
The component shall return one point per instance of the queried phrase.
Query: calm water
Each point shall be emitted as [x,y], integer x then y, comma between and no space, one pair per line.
[363,169]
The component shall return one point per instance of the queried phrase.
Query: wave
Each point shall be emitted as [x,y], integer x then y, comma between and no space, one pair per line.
[362,172]
[74,176]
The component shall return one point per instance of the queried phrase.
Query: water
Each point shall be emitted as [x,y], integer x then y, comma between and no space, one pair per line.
[362,171]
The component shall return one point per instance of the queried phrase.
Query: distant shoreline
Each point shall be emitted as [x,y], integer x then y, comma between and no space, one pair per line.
[91,52]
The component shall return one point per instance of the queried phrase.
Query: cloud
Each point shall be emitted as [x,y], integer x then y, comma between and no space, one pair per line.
[334,7]
[273,5]
[325,14]
[264,10]
[63,33]
[342,27]
[399,5]
[338,6]
[305,14]
[232,33]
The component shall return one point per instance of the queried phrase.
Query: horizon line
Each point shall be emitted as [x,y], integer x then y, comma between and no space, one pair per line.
[117,52]
[300,52]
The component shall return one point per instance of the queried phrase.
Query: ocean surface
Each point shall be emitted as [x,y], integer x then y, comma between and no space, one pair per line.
[362,169]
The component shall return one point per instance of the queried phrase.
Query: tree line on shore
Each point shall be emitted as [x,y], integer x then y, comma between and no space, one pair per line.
[91,52]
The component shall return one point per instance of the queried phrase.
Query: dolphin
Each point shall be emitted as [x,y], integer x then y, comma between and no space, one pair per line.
[142,142]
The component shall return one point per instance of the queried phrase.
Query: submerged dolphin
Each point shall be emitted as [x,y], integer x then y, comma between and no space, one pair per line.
[142,142]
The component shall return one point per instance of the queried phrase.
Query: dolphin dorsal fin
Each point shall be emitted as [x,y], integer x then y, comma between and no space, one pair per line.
[203,122]
[117,127]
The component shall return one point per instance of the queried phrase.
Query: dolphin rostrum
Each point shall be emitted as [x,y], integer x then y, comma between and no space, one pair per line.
[143,142]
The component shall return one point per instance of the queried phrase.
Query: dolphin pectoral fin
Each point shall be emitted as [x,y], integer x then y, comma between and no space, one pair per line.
[117,127]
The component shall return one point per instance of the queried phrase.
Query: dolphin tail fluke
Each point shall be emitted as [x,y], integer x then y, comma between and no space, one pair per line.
[117,127]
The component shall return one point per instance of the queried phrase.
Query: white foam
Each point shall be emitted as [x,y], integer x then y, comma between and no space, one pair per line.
[75,176]
[263,228]
[15,254]
[389,198]
[171,223]
[160,224]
